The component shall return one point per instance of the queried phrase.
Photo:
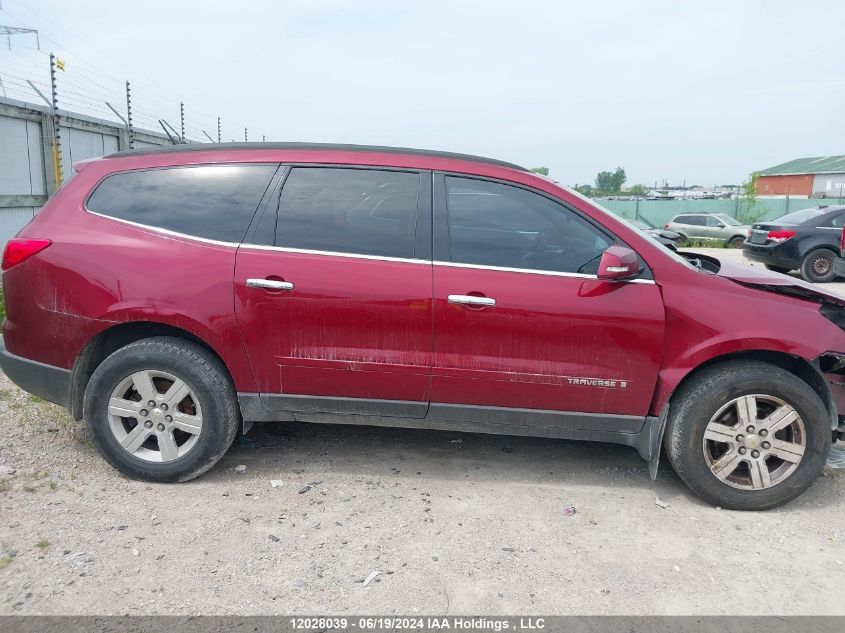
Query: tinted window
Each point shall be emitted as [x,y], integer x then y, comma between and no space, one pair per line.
[214,201]
[498,225]
[713,221]
[366,211]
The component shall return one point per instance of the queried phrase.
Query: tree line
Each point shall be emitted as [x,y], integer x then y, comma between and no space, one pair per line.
[607,183]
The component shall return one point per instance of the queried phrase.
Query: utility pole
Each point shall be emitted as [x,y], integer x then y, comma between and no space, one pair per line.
[246,138]
[129,117]
[219,130]
[182,117]
[57,138]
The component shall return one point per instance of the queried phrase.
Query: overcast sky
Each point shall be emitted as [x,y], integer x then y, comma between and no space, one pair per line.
[699,91]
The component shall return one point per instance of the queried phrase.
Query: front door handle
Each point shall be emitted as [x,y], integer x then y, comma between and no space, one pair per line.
[269,284]
[470,300]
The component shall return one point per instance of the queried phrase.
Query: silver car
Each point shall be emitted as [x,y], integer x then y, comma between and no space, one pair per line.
[709,226]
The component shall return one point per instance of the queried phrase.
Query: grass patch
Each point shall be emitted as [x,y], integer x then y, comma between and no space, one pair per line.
[42,544]
[5,394]
[697,242]
[5,561]
[5,485]
[2,306]
[36,399]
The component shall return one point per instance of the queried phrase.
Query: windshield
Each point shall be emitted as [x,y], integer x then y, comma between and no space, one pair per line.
[629,223]
[798,217]
[728,220]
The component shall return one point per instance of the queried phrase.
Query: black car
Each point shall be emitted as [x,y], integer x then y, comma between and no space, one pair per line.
[805,240]
[669,239]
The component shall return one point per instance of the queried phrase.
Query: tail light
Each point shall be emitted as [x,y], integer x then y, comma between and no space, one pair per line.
[780,235]
[20,249]
[842,244]
[665,227]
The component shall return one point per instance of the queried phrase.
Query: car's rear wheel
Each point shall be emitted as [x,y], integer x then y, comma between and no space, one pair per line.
[161,409]
[817,266]
[736,241]
[747,435]
[777,269]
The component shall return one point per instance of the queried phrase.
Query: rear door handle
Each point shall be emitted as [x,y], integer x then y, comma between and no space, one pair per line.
[470,300]
[269,284]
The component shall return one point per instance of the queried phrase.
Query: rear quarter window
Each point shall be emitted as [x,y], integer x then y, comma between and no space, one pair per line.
[210,201]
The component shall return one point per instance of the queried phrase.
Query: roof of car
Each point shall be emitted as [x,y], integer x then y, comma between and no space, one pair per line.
[200,147]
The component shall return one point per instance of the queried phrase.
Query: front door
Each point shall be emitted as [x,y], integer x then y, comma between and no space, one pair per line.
[524,331]
[333,292]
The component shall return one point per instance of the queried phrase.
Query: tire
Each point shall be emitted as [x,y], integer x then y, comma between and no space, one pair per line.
[683,240]
[736,241]
[817,266]
[777,269]
[699,402]
[175,447]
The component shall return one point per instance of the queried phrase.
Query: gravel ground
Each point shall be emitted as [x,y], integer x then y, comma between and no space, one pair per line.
[455,523]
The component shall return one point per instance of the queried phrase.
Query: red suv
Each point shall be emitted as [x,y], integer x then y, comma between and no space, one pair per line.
[172,297]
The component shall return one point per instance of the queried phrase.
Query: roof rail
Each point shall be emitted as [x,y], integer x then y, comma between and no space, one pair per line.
[205,147]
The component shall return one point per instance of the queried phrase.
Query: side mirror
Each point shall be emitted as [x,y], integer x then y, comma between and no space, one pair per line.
[617,263]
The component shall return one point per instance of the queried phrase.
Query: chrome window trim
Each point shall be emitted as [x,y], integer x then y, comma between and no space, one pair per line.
[308,251]
[534,271]
[383,258]
[161,231]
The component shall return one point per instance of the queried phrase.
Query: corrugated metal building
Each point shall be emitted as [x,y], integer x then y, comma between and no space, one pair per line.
[820,177]
[26,170]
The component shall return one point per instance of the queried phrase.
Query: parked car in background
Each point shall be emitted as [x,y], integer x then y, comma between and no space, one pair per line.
[807,240]
[287,283]
[839,262]
[709,226]
[667,238]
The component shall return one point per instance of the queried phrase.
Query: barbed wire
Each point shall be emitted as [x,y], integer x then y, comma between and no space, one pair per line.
[85,87]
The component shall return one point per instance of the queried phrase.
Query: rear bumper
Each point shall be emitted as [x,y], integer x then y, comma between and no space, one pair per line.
[780,255]
[46,381]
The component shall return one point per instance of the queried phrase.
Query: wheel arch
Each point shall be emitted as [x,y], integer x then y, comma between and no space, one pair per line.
[808,371]
[109,340]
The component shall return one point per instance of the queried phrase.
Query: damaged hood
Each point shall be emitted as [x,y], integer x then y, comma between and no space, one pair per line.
[776,282]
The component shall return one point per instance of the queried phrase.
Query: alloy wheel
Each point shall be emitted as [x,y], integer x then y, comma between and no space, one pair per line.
[155,416]
[754,442]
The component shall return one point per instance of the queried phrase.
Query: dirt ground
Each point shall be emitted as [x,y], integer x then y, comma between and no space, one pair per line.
[455,523]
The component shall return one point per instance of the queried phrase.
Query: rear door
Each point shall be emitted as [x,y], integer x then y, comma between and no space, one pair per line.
[333,292]
[523,328]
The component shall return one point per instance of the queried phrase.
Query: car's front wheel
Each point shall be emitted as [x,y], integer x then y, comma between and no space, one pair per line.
[747,435]
[817,266]
[161,409]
